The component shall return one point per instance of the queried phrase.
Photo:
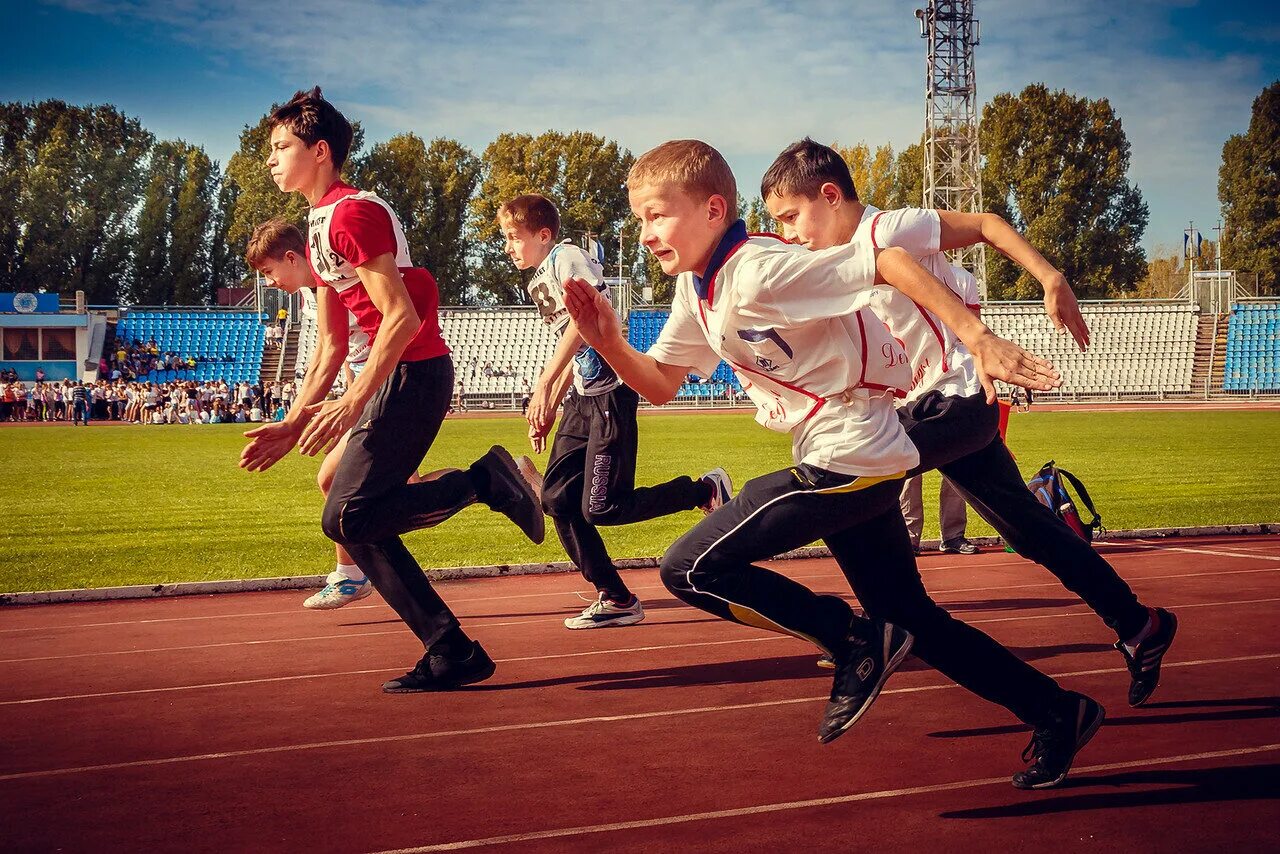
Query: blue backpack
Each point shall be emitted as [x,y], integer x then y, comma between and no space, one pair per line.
[1050,490]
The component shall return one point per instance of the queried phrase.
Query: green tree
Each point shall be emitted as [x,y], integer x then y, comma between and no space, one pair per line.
[580,172]
[173,230]
[73,177]
[908,178]
[1249,191]
[1056,168]
[226,265]
[873,172]
[429,188]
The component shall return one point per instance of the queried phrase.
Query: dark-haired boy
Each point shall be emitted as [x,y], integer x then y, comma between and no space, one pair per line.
[360,260]
[820,366]
[810,191]
[590,479]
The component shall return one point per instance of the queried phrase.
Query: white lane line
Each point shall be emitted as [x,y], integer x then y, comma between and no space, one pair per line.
[884,794]
[269,679]
[1091,614]
[833,574]
[1131,581]
[470,626]
[1010,560]
[534,725]
[1223,554]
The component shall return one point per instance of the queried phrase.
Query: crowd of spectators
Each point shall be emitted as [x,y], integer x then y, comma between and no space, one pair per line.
[180,402]
[134,360]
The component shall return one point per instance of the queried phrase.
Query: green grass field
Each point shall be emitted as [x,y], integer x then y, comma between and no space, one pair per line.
[133,505]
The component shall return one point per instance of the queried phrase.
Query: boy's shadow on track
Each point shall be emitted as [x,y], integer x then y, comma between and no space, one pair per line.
[702,673]
[962,608]
[649,607]
[1190,786]
[773,669]
[1256,708]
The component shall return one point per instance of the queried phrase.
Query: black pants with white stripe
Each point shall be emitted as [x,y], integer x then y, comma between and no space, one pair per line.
[370,505]
[591,480]
[713,568]
[960,436]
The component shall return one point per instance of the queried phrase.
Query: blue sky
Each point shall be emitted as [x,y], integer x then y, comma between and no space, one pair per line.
[748,76]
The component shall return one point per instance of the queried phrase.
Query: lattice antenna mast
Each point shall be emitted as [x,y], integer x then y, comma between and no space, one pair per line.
[952,161]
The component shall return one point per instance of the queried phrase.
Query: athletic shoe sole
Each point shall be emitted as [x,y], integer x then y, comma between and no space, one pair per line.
[539,532]
[1085,738]
[531,476]
[894,663]
[628,620]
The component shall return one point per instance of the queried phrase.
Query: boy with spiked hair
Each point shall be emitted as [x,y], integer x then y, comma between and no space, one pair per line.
[360,261]
[590,479]
[809,190]
[818,364]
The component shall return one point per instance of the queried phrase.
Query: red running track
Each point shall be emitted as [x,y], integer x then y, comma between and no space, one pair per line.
[244,723]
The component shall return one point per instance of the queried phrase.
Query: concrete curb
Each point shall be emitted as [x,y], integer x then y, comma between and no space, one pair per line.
[310,582]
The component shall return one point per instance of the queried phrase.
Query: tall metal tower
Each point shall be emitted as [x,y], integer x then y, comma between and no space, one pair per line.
[952,165]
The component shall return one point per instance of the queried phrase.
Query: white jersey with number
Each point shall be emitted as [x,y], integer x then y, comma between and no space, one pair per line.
[328,264]
[939,360]
[794,326]
[591,374]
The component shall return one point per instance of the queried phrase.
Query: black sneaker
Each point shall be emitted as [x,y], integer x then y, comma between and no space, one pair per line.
[861,671]
[512,494]
[437,673]
[958,547]
[1054,746]
[1144,664]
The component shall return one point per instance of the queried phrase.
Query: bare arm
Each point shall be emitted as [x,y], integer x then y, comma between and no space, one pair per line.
[655,381]
[559,368]
[271,442]
[966,229]
[996,358]
[400,322]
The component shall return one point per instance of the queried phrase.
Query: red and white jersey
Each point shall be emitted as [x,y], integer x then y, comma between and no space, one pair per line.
[794,326]
[939,360]
[349,228]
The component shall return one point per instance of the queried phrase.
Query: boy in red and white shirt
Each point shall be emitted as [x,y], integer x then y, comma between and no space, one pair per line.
[952,422]
[793,325]
[393,411]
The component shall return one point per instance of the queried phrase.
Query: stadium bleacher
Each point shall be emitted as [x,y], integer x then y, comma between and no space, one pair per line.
[1139,348]
[1136,347]
[229,343]
[643,327]
[1252,359]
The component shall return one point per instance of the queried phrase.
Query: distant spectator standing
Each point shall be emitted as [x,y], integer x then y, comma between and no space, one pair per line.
[79,405]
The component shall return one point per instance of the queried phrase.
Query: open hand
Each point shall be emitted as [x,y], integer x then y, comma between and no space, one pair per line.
[269,444]
[330,421]
[592,313]
[998,359]
[1063,310]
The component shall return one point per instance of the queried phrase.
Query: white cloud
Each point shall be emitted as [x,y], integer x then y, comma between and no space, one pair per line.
[747,76]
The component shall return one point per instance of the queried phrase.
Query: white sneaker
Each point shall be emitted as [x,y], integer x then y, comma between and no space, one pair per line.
[721,490]
[530,473]
[603,614]
[339,593]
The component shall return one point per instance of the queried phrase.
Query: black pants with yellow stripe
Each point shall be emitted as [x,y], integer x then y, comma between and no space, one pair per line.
[713,567]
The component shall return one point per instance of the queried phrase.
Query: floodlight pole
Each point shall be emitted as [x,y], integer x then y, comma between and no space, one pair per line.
[952,158]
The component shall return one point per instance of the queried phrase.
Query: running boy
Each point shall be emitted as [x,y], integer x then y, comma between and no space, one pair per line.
[278,251]
[952,422]
[820,366]
[591,477]
[358,254]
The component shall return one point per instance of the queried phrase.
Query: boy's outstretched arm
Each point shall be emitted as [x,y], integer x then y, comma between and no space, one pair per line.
[996,358]
[600,327]
[966,229]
